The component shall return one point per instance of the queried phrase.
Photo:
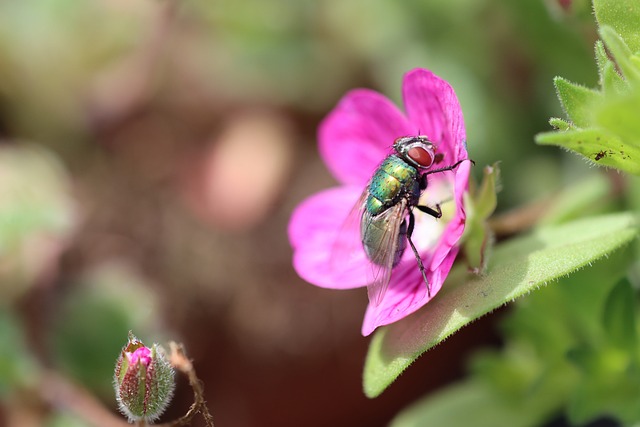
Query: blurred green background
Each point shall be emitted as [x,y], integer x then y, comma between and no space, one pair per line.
[151,153]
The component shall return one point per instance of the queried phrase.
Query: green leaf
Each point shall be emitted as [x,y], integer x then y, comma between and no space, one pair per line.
[532,367]
[576,100]
[470,403]
[560,124]
[516,268]
[600,146]
[558,318]
[601,56]
[623,16]
[619,115]
[610,80]
[621,53]
[486,200]
[478,234]
[619,317]
[613,139]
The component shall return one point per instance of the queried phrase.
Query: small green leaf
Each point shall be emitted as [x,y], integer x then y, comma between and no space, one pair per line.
[560,124]
[621,53]
[486,200]
[610,80]
[601,56]
[516,268]
[576,100]
[600,146]
[478,234]
[619,317]
[623,16]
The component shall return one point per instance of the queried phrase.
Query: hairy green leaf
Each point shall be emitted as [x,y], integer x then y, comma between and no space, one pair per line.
[560,124]
[621,53]
[600,146]
[576,100]
[610,80]
[516,268]
[478,236]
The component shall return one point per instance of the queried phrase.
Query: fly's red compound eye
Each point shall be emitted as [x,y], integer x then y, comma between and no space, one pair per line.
[421,156]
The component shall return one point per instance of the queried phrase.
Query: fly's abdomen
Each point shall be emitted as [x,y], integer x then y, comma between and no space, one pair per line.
[373,231]
[393,179]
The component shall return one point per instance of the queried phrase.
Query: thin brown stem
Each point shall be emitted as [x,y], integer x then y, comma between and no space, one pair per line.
[181,362]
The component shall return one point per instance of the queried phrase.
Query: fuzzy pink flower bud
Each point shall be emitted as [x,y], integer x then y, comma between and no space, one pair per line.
[143,381]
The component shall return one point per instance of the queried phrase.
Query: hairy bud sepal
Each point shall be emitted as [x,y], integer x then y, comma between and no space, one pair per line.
[143,381]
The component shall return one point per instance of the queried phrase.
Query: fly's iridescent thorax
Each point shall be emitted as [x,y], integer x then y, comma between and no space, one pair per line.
[397,176]
[393,179]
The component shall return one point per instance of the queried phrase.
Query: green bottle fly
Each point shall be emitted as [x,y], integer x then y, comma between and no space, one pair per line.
[387,202]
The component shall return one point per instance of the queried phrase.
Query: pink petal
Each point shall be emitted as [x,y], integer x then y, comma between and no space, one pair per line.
[433,106]
[359,133]
[455,227]
[313,231]
[142,355]
[407,294]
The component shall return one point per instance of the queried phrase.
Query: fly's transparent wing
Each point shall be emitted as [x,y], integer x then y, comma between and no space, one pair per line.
[347,252]
[381,235]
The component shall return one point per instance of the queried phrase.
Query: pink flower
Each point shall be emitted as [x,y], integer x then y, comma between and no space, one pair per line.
[142,355]
[354,139]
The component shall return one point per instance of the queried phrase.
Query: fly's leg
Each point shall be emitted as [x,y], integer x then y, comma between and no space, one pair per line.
[412,223]
[436,213]
[448,168]
[423,177]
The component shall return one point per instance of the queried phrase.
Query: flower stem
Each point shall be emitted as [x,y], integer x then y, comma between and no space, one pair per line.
[181,362]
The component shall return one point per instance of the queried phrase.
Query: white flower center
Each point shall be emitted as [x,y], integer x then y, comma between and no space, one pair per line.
[429,229]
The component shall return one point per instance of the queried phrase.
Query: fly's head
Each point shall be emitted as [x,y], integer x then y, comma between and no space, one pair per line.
[418,151]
